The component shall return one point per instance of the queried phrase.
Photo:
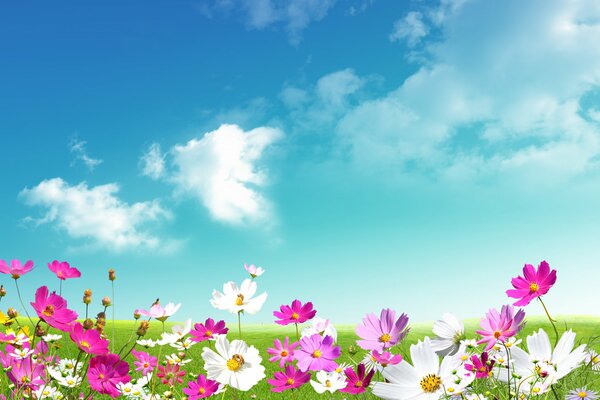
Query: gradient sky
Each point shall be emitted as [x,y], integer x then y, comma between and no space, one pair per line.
[367,154]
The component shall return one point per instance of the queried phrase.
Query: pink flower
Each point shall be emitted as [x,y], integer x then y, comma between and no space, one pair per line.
[359,381]
[144,362]
[15,269]
[201,388]
[317,353]
[291,378]
[482,366]
[294,314]
[208,330]
[161,313]
[26,374]
[170,374]
[88,341]
[499,326]
[282,352]
[383,332]
[63,271]
[253,270]
[106,372]
[532,284]
[386,358]
[53,310]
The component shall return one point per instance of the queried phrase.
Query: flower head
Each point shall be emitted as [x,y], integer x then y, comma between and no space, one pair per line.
[144,362]
[63,271]
[237,299]
[201,388]
[53,309]
[357,381]
[581,394]
[16,269]
[159,312]
[329,382]
[482,366]
[282,352]
[449,332]
[383,332]
[170,374]
[253,270]
[209,330]
[534,283]
[386,358]
[88,341]
[500,326]
[296,313]
[106,372]
[317,353]
[322,326]
[290,378]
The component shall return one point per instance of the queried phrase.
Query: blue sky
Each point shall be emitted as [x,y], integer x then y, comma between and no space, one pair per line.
[367,154]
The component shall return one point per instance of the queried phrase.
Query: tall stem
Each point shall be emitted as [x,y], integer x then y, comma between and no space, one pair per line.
[112,342]
[552,321]
[60,287]
[22,304]
[297,332]
[240,324]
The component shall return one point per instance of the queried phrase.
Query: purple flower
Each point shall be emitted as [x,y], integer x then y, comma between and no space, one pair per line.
[317,353]
[383,332]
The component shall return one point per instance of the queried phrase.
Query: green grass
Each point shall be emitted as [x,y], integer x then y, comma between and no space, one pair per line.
[262,335]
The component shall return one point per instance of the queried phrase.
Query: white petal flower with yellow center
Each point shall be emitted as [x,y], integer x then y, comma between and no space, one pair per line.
[328,382]
[237,299]
[449,332]
[234,364]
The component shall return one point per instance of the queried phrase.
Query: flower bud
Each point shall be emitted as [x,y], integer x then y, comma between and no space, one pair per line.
[352,350]
[137,314]
[106,301]
[12,313]
[87,296]
[143,328]
[181,355]
[39,331]
[88,324]
[111,275]
[2,291]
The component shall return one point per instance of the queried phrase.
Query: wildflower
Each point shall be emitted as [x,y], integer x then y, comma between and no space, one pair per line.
[63,270]
[144,362]
[15,269]
[47,392]
[88,341]
[321,326]
[147,343]
[385,358]
[581,394]
[480,365]
[234,299]
[593,359]
[233,364]
[51,338]
[69,381]
[328,382]
[449,331]
[383,332]
[106,302]
[284,353]
[209,330]
[52,309]
[183,345]
[357,381]
[178,332]
[20,354]
[500,326]
[112,275]
[178,359]
[290,378]
[534,283]
[26,375]
[161,313]
[170,374]
[317,353]
[253,270]
[106,372]
[296,313]
[201,388]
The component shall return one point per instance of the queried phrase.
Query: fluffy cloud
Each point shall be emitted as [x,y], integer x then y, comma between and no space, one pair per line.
[78,149]
[153,162]
[95,213]
[221,169]
[410,28]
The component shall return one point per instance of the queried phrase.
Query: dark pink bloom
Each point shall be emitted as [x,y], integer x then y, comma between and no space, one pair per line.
[317,353]
[201,388]
[532,284]
[53,310]
[481,366]
[359,381]
[144,362]
[4,338]
[383,332]
[386,358]
[282,352]
[499,326]
[170,374]
[26,374]
[296,313]
[106,372]
[291,378]
[63,271]
[15,268]
[208,330]
[88,341]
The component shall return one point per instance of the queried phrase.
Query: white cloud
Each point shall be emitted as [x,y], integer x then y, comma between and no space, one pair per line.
[78,149]
[95,213]
[153,162]
[334,88]
[410,28]
[221,169]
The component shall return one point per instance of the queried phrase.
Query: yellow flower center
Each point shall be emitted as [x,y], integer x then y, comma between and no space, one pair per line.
[431,383]
[85,344]
[595,360]
[464,357]
[295,316]
[235,363]
[358,384]
[450,389]
[317,354]
[239,300]
[49,310]
[497,334]
[101,376]
[534,287]
[328,383]
[209,333]
[535,390]
[127,389]
[290,381]
[582,395]
[284,353]
[385,338]
[201,390]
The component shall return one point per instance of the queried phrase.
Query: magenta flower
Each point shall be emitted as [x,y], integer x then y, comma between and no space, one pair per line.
[26,374]
[291,378]
[53,310]
[63,271]
[170,374]
[317,353]
[282,352]
[359,381]
[383,332]
[294,314]
[532,284]
[144,362]
[15,268]
[106,372]
[88,341]
[208,330]
[201,388]
[386,358]
[481,366]
[499,326]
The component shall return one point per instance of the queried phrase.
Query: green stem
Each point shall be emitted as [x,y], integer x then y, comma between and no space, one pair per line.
[297,332]
[552,321]
[240,324]
[22,304]
[112,342]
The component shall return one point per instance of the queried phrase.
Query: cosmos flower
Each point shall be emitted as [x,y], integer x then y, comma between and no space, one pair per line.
[317,353]
[106,372]
[253,270]
[238,299]
[581,394]
[482,366]
[449,332]
[15,269]
[26,375]
[385,358]
[296,313]
[159,312]
[592,359]
[357,381]
[201,388]
[290,378]
[500,326]
[144,362]
[170,374]
[52,309]
[328,382]
[321,326]
[284,353]
[383,332]
[233,364]
[88,341]
[534,283]
[208,331]
[63,270]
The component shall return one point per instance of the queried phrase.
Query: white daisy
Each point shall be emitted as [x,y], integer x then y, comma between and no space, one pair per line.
[50,338]
[69,380]
[175,360]
[20,354]
[147,343]
[67,365]
[449,332]
[426,379]
[233,364]
[236,299]
[328,382]
[183,345]
[341,367]
[321,326]
[48,392]
[592,359]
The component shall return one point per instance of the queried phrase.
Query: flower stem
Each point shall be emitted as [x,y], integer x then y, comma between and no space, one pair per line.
[552,321]
[240,324]
[60,287]
[297,333]
[112,342]
[22,304]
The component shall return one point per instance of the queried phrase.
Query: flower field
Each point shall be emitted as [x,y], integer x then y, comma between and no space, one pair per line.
[49,351]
